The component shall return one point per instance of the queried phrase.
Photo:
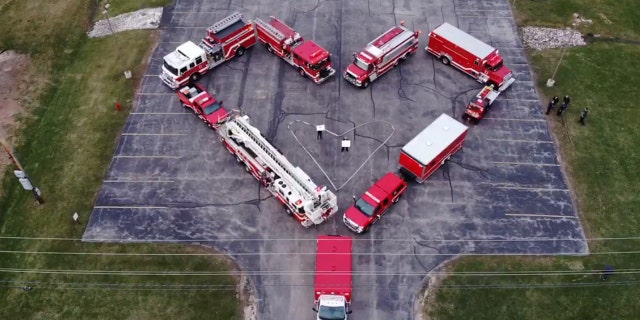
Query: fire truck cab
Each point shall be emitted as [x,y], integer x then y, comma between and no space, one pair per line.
[374,203]
[381,55]
[480,104]
[470,55]
[310,59]
[225,39]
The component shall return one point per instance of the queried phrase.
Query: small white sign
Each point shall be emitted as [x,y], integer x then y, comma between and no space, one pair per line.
[346,143]
[26,184]
[320,127]
[75,216]
[19,174]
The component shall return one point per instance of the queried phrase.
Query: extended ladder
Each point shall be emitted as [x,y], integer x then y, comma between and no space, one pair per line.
[222,24]
[274,158]
[279,36]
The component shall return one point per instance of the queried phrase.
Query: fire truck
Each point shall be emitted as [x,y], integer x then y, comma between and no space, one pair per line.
[227,38]
[203,104]
[332,294]
[427,151]
[308,203]
[480,104]
[470,55]
[310,59]
[374,203]
[381,54]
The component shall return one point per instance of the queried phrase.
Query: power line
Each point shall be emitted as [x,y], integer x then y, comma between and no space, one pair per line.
[546,273]
[313,239]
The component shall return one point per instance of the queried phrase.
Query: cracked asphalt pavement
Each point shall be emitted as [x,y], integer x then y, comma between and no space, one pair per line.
[171,180]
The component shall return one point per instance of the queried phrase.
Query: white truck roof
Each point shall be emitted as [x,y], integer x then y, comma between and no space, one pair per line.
[190,50]
[389,44]
[434,139]
[464,40]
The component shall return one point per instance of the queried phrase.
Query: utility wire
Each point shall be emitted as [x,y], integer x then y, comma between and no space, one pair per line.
[311,239]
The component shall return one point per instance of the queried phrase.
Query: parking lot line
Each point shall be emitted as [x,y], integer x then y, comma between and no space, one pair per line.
[159,113]
[149,157]
[511,119]
[154,134]
[512,140]
[527,164]
[138,181]
[532,189]
[128,207]
[538,215]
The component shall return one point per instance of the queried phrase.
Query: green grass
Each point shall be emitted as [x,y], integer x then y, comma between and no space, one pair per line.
[66,144]
[602,159]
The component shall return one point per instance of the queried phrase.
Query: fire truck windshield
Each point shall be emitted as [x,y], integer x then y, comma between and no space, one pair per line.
[331,313]
[169,68]
[212,108]
[495,67]
[364,207]
[320,64]
[361,64]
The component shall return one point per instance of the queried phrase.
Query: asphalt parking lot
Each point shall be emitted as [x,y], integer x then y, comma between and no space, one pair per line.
[504,193]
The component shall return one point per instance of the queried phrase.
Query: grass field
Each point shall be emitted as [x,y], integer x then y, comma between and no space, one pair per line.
[602,158]
[66,143]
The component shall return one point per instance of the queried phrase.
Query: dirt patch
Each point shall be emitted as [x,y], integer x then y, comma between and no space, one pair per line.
[427,298]
[15,76]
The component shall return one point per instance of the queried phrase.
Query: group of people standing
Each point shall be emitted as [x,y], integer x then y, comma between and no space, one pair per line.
[565,104]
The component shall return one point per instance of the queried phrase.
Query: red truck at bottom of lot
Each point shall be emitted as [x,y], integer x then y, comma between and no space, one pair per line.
[374,203]
[332,292]
[203,104]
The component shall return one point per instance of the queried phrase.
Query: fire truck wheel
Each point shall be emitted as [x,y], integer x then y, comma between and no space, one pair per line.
[289,212]
[301,72]
[247,169]
[445,60]
[238,159]
[186,106]
[194,77]
[365,84]
[269,48]
[240,51]
[405,56]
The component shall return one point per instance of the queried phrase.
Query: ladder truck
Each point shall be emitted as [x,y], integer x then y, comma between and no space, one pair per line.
[310,59]
[381,55]
[307,202]
[225,39]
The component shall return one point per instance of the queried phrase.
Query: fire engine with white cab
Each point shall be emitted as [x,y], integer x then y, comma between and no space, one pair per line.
[225,39]
[307,202]
[470,55]
[310,59]
[381,55]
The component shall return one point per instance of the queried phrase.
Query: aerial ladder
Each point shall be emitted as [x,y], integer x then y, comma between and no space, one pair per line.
[304,200]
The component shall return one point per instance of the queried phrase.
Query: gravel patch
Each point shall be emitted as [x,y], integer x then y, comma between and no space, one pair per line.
[539,38]
[141,19]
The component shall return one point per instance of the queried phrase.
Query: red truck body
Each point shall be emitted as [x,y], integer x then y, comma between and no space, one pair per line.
[470,55]
[381,55]
[225,39]
[332,294]
[203,104]
[310,59]
[427,151]
[374,203]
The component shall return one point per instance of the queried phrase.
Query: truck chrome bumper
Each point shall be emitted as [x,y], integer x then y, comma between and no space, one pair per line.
[320,80]
[168,82]
[507,84]
[351,80]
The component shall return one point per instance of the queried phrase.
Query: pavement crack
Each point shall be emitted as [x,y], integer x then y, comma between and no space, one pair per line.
[447,175]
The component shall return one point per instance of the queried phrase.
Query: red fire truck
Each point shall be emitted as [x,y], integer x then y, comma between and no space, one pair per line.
[474,57]
[374,203]
[307,202]
[480,104]
[381,54]
[332,295]
[310,59]
[427,151]
[203,104]
[225,39]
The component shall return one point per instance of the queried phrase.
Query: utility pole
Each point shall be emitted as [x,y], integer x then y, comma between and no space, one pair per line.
[22,176]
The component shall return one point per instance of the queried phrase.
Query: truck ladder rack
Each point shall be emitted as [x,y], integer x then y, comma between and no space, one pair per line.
[272,154]
[279,36]
[220,25]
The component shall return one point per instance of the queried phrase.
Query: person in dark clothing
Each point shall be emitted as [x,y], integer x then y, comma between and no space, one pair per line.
[566,100]
[608,271]
[552,104]
[583,115]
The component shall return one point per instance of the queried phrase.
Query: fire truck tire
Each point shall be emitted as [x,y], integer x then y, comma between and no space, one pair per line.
[240,51]
[186,106]
[289,212]
[269,48]
[238,159]
[365,84]
[247,169]
[445,60]
[405,56]
[302,73]
[194,77]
